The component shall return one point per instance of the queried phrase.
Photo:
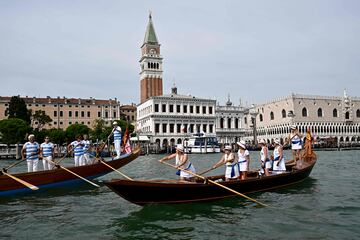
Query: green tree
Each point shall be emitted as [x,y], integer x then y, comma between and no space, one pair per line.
[41,118]
[13,130]
[100,131]
[17,109]
[57,135]
[73,130]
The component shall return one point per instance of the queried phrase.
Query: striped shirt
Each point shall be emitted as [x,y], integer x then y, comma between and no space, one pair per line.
[86,145]
[47,149]
[78,148]
[31,150]
[117,133]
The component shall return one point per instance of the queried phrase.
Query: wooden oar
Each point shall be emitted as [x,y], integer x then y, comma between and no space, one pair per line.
[14,164]
[122,174]
[215,183]
[103,145]
[94,184]
[29,185]
[208,170]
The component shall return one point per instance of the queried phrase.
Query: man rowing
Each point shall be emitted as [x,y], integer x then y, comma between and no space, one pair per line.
[47,153]
[228,159]
[30,152]
[78,148]
[117,138]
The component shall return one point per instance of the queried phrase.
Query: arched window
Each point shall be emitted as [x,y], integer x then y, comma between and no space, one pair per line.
[304,112]
[320,112]
[221,123]
[347,115]
[261,117]
[271,115]
[335,113]
[229,123]
[283,113]
[245,120]
[358,113]
[236,123]
[148,65]
[157,66]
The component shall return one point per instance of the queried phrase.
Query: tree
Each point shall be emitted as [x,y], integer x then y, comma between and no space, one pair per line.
[13,130]
[41,118]
[17,109]
[100,130]
[57,135]
[76,129]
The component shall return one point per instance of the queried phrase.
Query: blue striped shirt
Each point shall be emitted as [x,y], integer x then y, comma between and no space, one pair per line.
[47,149]
[117,133]
[78,148]
[86,145]
[31,150]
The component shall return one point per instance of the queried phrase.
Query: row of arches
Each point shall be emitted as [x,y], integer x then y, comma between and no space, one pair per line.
[153,65]
[230,123]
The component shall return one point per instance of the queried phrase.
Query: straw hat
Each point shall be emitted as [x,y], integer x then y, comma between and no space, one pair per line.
[180,147]
[31,136]
[115,123]
[277,141]
[293,127]
[242,144]
[228,147]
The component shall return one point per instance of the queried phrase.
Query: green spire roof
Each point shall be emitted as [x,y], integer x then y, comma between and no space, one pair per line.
[150,35]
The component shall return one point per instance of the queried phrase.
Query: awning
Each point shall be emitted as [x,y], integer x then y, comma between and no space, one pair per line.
[141,138]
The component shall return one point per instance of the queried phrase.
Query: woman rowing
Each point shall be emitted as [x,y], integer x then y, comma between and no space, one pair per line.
[295,138]
[231,170]
[278,158]
[182,161]
[264,158]
[243,159]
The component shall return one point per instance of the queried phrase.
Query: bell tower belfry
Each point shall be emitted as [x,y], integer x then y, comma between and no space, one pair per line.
[150,65]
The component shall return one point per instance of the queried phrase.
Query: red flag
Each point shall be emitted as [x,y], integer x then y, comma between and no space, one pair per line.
[126,141]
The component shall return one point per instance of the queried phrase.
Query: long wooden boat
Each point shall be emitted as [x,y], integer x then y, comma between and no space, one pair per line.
[60,177]
[169,191]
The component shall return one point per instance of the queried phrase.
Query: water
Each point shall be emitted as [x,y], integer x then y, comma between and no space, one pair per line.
[325,206]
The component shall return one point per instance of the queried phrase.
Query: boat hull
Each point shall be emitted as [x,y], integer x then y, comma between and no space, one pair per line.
[60,177]
[151,192]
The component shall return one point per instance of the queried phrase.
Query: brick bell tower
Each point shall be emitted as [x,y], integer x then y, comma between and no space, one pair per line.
[150,65]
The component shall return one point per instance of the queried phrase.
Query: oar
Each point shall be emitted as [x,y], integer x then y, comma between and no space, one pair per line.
[60,160]
[103,145]
[94,184]
[122,174]
[14,164]
[215,183]
[29,185]
[208,170]
[100,159]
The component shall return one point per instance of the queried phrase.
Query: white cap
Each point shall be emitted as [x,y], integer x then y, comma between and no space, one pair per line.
[262,141]
[292,127]
[31,136]
[115,122]
[277,141]
[180,147]
[242,144]
[228,147]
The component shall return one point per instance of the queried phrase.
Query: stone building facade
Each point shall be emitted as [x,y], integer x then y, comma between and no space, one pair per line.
[66,111]
[326,117]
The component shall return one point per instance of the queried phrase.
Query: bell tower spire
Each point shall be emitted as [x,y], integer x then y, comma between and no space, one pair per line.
[150,64]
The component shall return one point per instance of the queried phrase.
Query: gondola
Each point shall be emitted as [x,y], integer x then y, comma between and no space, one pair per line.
[144,192]
[60,177]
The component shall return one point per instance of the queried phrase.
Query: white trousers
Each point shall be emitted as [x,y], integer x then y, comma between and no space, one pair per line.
[87,159]
[117,145]
[46,164]
[32,165]
[79,160]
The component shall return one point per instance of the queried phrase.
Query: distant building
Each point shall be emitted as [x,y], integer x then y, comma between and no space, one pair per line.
[66,111]
[325,116]
[229,127]
[128,112]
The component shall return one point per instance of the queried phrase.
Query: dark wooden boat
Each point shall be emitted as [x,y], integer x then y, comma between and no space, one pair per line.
[60,177]
[167,191]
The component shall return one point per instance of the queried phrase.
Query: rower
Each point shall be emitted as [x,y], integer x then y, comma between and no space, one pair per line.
[30,152]
[231,170]
[78,147]
[182,161]
[278,161]
[117,138]
[87,146]
[295,138]
[264,158]
[243,159]
[47,153]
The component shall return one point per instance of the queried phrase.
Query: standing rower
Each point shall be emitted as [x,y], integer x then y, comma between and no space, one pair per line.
[47,153]
[78,147]
[117,138]
[182,161]
[87,146]
[295,138]
[30,152]
[264,158]
[231,170]
[278,161]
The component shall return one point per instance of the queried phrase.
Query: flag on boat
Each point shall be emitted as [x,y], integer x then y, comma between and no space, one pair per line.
[126,141]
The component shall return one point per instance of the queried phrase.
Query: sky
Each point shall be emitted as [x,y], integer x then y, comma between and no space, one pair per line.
[255,50]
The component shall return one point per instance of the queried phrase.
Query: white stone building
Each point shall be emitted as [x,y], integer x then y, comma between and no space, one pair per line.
[170,119]
[229,126]
[326,116]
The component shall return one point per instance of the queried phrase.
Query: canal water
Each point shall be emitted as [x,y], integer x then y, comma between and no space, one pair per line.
[325,206]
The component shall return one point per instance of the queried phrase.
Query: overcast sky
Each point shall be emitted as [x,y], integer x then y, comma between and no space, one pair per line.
[253,50]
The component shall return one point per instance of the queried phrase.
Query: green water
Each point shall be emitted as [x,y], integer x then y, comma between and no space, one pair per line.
[325,206]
